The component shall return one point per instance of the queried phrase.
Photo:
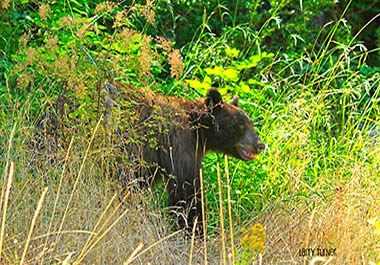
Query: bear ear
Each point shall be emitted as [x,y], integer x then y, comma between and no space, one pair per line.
[213,98]
[235,101]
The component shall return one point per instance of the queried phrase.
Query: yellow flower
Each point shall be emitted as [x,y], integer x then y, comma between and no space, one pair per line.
[253,239]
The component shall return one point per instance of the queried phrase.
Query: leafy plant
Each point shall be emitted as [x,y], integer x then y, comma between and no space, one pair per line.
[230,78]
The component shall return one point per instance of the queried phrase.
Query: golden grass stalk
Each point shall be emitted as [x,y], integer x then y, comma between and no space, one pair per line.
[229,210]
[39,206]
[221,215]
[153,245]
[129,260]
[203,218]
[309,232]
[5,207]
[92,240]
[93,234]
[192,240]
[66,261]
[57,197]
[82,256]
[323,260]
[62,232]
[7,164]
[77,179]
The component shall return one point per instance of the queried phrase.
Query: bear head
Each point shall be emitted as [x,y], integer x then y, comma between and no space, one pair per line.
[229,130]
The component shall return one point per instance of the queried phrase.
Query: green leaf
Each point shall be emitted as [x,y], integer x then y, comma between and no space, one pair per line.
[223,90]
[204,17]
[231,74]
[194,83]
[207,80]
[119,47]
[80,11]
[209,71]
[216,71]
[255,82]
[201,86]
[244,87]
[206,86]
[101,27]
[267,55]
[232,52]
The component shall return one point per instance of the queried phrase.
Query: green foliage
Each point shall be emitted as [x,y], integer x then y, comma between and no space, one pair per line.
[236,46]
[232,77]
[311,88]
[74,47]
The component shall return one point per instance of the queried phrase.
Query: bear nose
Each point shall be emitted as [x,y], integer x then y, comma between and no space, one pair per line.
[260,146]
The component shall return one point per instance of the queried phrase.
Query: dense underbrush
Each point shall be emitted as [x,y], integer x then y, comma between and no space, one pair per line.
[314,101]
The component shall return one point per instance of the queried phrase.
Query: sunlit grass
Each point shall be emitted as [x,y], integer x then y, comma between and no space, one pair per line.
[310,197]
[315,185]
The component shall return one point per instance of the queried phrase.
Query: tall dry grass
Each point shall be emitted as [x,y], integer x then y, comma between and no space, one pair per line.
[67,212]
[320,189]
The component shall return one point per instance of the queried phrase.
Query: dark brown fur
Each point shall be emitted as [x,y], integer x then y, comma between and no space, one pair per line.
[185,131]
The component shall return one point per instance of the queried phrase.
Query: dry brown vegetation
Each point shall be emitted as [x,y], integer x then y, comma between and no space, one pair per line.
[316,185]
[85,219]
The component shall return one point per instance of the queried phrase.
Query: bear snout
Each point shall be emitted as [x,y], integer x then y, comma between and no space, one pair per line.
[260,146]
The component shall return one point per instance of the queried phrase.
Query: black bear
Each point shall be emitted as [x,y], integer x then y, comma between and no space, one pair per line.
[191,128]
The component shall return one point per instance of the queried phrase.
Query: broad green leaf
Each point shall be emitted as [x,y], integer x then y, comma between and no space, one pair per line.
[206,85]
[245,88]
[223,90]
[207,80]
[216,71]
[117,46]
[255,59]
[198,85]
[232,52]
[209,71]
[194,83]
[267,55]
[231,74]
